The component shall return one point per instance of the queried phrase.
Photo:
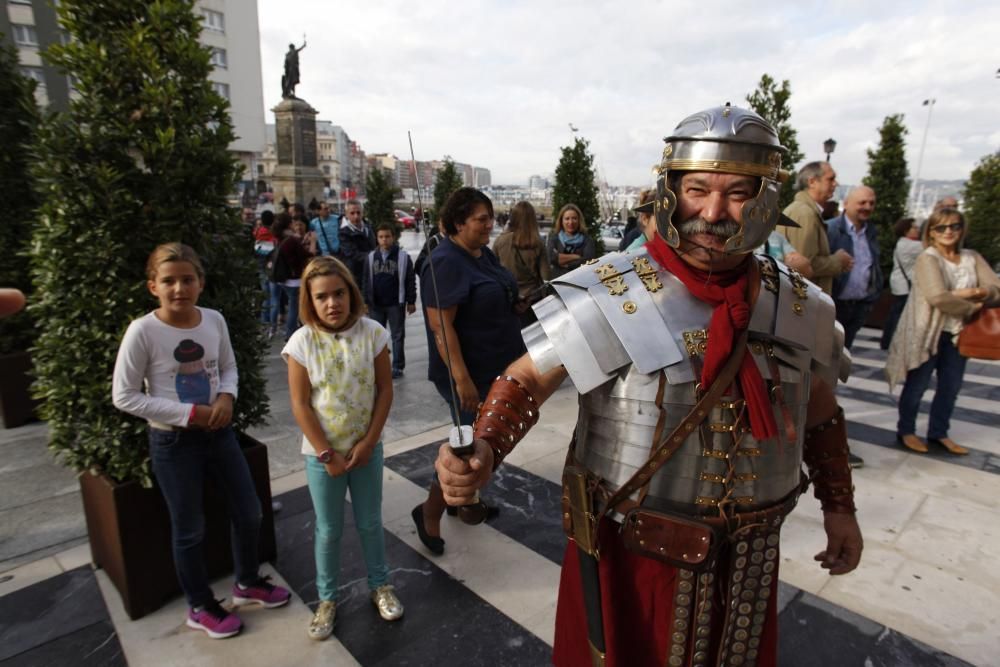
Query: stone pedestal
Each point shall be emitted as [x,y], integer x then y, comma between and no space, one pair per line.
[296,177]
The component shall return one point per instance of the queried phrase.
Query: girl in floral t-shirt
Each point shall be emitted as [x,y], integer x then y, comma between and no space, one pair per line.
[340,381]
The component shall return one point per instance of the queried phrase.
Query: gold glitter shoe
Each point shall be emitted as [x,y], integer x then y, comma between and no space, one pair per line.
[388,605]
[321,625]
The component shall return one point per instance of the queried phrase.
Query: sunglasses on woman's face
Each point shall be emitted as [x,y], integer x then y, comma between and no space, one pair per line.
[953,227]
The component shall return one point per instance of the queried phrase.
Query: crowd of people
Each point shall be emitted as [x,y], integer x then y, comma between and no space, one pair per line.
[936,287]
[654,382]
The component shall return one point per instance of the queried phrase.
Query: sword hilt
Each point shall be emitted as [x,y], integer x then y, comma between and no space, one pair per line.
[460,440]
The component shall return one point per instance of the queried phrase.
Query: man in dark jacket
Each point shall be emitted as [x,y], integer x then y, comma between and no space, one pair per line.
[356,240]
[856,291]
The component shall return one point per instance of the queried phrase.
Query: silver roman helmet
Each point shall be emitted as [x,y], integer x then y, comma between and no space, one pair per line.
[727,140]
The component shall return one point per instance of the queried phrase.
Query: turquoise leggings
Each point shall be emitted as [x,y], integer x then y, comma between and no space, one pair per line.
[328,495]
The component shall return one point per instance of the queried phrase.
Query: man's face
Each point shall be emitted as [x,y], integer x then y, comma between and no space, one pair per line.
[385,239]
[860,204]
[249,215]
[324,211]
[708,211]
[353,214]
[823,187]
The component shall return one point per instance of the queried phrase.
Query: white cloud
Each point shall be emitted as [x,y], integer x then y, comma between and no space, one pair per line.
[496,83]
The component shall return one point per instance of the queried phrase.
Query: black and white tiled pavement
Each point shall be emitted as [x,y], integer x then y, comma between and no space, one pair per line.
[926,593]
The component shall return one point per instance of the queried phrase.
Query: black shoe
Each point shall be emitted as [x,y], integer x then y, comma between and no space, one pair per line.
[855,461]
[434,544]
[492,511]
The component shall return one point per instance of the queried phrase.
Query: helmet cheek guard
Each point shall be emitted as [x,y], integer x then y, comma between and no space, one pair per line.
[758,217]
[666,204]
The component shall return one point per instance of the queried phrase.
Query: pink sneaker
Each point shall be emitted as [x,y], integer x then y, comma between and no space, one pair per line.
[261,592]
[214,620]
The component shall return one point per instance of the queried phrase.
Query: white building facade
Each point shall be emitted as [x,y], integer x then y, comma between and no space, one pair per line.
[230,30]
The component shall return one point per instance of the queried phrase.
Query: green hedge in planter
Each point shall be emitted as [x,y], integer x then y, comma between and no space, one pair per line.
[140,158]
[18,119]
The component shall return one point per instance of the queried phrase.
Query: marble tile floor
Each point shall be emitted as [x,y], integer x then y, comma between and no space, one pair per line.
[926,593]
[502,576]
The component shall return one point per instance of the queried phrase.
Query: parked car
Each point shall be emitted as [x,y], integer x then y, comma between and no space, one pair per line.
[612,228]
[405,220]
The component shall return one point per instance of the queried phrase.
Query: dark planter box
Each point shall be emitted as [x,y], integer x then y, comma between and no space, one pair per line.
[16,404]
[129,531]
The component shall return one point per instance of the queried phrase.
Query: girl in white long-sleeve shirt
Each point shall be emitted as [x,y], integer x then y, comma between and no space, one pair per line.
[182,356]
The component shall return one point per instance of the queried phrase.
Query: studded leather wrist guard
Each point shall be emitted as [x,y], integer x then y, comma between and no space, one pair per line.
[505,416]
[825,455]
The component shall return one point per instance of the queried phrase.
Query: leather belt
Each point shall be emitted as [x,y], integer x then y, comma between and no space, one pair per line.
[772,515]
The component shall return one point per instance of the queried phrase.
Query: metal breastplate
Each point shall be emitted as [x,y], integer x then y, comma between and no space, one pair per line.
[619,378]
[720,463]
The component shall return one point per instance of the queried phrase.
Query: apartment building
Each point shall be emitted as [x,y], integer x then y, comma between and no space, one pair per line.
[230,30]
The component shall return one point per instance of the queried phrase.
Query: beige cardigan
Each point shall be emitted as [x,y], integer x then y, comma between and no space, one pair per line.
[920,324]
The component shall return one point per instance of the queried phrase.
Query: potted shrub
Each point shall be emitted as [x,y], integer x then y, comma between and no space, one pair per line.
[140,158]
[18,119]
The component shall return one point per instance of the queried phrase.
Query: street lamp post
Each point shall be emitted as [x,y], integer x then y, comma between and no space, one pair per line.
[828,147]
[929,103]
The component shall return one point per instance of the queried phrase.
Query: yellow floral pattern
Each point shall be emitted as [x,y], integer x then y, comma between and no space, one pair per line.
[342,374]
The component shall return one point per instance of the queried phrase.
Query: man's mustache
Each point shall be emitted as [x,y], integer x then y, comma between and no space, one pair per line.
[698,226]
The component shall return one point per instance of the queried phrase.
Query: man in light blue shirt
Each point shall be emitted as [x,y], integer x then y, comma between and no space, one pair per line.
[327,229]
[856,291]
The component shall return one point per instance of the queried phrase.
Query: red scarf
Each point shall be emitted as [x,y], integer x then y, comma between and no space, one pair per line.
[727,292]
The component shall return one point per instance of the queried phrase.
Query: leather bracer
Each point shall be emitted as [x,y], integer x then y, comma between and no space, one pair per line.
[505,416]
[825,455]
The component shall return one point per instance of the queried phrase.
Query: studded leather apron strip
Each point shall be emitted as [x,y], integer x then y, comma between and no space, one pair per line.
[720,615]
[752,571]
[691,632]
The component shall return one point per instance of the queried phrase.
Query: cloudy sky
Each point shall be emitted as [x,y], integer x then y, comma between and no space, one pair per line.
[496,83]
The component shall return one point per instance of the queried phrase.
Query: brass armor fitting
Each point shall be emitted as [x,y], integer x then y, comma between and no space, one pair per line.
[825,455]
[505,416]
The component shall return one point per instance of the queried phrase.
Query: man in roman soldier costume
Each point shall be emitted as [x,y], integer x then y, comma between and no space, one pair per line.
[706,377]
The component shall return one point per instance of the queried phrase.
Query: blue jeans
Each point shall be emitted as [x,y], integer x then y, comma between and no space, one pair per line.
[181,462]
[265,304]
[276,292]
[292,317]
[464,418]
[950,367]
[852,315]
[328,494]
[395,317]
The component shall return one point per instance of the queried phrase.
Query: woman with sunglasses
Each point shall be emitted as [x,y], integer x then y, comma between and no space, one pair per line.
[950,285]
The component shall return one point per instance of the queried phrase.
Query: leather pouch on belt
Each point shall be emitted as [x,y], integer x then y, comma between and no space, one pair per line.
[578,507]
[676,540]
